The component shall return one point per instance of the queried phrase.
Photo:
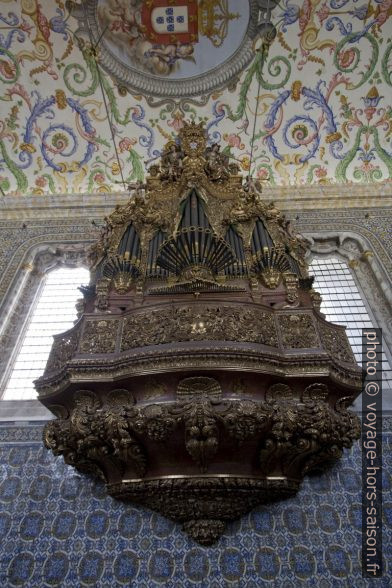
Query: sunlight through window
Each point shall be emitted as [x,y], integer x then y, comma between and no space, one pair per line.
[343,305]
[54,313]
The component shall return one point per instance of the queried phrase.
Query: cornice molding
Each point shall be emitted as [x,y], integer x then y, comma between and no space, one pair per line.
[343,196]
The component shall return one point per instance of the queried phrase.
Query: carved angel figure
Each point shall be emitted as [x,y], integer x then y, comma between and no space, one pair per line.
[171,163]
[106,231]
[217,164]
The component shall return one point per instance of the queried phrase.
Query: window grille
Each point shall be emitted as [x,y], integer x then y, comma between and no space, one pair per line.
[343,304]
[54,312]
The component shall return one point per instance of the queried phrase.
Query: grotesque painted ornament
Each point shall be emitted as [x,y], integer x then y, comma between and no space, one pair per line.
[200,380]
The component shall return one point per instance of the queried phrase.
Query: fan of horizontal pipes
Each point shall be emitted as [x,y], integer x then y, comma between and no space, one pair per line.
[195,247]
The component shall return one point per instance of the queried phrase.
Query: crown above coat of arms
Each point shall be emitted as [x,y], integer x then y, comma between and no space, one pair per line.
[214,18]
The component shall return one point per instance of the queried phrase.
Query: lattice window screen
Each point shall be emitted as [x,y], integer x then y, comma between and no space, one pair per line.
[54,313]
[342,304]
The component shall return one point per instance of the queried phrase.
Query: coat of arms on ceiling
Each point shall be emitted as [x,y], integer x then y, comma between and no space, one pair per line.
[170,48]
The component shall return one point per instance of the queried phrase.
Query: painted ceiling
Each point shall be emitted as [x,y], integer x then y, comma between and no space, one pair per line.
[319,107]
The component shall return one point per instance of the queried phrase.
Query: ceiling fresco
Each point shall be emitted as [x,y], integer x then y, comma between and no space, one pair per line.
[181,46]
[318,105]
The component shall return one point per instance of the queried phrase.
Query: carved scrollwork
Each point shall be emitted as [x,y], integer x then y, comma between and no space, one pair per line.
[198,324]
[246,419]
[63,349]
[204,505]
[124,445]
[304,434]
[201,304]
[291,432]
[156,422]
[298,331]
[350,425]
[201,409]
[315,392]
[99,336]
[92,438]
[335,341]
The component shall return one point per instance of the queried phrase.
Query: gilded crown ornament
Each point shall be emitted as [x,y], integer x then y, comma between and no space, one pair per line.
[200,379]
[215,16]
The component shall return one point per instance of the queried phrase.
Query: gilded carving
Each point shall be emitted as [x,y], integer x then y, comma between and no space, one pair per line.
[186,164]
[292,433]
[102,294]
[63,349]
[99,336]
[291,283]
[171,163]
[298,331]
[316,299]
[335,341]
[227,323]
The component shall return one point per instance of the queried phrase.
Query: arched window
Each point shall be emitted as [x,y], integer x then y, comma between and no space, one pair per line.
[342,303]
[53,312]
